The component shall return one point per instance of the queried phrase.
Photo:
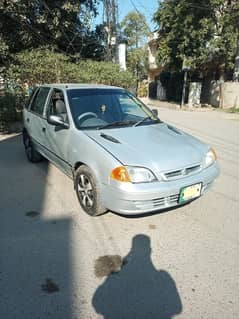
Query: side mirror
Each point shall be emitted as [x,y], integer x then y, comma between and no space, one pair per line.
[155,112]
[57,120]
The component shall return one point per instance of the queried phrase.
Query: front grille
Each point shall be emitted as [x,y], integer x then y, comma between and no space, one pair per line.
[162,202]
[181,172]
[173,174]
[192,169]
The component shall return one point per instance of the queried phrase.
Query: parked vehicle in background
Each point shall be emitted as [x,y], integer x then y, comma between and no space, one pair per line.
[120,155]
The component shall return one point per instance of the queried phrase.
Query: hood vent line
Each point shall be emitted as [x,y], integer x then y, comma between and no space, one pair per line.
[110,138]
[174,129]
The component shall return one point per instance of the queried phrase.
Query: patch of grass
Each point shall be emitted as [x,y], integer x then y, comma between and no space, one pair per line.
[233,110]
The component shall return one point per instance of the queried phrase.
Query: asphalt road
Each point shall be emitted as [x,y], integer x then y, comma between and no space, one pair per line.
[183,263]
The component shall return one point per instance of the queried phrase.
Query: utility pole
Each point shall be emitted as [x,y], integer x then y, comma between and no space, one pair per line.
[184,87]
[186,69]
[110,18]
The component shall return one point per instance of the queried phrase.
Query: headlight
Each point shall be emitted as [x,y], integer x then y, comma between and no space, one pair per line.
[210,158]
[132,174]
[140,175]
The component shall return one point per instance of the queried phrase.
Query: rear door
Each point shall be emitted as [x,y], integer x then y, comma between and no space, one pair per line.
[34,120]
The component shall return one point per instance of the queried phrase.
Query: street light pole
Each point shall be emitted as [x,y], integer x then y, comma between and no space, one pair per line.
[184,87]
[186,69]
[111,29]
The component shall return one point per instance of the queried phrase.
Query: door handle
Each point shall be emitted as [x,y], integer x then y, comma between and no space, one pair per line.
[44,129]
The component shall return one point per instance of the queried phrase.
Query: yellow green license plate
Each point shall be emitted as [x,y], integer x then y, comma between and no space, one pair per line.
[190,192]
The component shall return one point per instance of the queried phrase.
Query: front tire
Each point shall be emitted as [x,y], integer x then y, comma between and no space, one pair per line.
[88,192]
[32,155]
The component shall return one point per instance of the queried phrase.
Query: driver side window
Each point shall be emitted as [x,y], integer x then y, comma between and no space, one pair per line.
[57,105]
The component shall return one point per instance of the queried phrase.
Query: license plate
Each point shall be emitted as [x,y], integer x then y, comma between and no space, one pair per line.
[190,192]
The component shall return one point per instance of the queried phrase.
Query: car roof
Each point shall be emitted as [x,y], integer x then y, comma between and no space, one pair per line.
[68,86]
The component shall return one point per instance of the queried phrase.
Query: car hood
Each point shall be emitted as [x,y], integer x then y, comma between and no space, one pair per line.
[159,146]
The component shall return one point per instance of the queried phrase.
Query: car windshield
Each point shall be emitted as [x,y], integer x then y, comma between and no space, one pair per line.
[107,109]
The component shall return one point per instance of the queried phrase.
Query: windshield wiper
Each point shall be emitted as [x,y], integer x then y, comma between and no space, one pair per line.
[145,119]
[115,124]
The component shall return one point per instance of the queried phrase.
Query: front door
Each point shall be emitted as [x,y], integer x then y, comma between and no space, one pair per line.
[58,136]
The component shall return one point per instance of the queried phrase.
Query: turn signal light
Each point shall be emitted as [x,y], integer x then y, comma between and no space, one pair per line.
[120,174]
[214,153]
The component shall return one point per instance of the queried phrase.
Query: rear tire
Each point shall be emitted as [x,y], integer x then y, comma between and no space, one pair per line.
[32,155]
[88,192]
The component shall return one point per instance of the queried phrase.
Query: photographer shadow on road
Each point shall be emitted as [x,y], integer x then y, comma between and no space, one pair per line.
[138,290]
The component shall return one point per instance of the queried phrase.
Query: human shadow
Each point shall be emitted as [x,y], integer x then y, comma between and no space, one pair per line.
[138,290]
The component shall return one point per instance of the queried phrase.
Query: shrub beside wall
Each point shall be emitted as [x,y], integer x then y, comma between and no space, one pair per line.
[11,105]
[42,65]
[8,112]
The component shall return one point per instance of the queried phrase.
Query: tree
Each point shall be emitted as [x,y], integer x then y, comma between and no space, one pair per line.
[204,32]
[136,30]
[137,60]
[62,24]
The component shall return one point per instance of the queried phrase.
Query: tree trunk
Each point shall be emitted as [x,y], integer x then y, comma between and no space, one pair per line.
[236,68]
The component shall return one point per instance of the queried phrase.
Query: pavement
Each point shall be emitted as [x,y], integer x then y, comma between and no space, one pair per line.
[182,263]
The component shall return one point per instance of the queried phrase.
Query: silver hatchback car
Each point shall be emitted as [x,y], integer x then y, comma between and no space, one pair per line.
[120,155]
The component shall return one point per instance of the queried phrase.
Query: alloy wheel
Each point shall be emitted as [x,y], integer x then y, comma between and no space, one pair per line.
[85,190]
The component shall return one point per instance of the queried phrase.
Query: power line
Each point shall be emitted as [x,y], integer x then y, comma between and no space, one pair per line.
[135,8]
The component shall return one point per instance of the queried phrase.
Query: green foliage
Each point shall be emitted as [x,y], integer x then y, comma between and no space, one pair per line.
[233,110]
[136,30]
[62,24]
[44,66]
[143,89]
[37,65]
[105,73]
[137,60]
[204,32]
[8,110]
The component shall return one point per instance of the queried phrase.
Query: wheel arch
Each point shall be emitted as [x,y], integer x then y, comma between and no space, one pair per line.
[75,168]
[24,134]
[79,164]
[24,131]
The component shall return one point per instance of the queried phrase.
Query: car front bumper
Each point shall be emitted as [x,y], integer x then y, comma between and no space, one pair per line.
[130,199]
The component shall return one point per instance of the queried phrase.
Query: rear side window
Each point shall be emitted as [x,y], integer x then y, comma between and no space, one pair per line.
[29,99]
[39,101]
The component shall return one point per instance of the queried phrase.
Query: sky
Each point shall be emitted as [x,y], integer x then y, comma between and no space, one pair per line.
[147,7]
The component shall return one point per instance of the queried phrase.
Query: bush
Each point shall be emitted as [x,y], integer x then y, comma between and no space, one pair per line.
[143,89]
[44,66]
[10,109]
[7,110]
